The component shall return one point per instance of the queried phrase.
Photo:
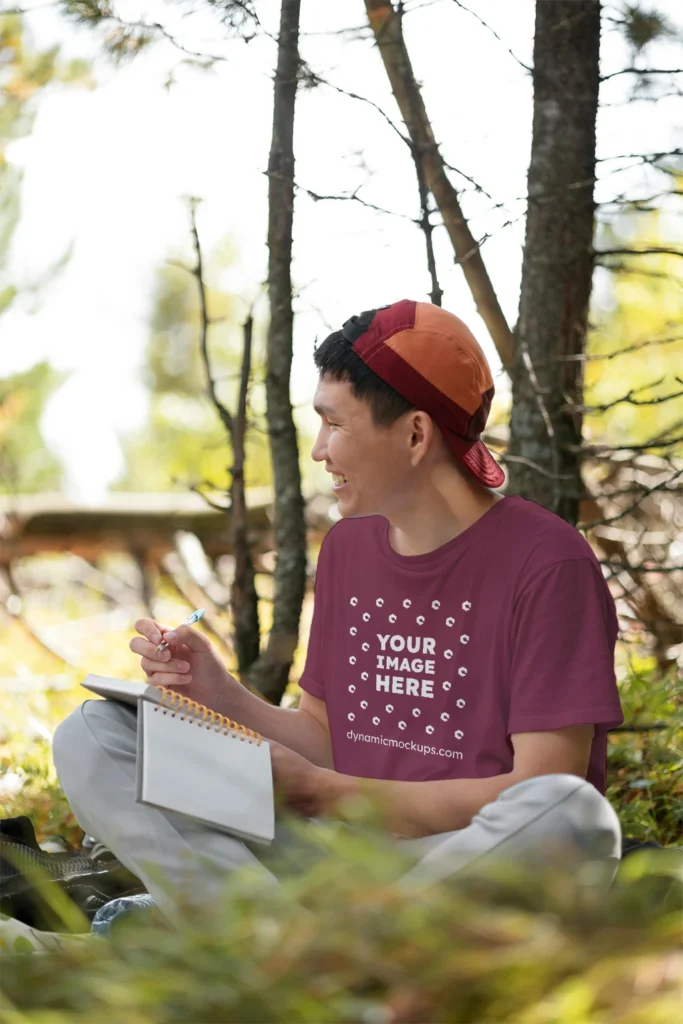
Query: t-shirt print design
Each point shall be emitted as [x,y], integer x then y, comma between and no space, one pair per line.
[404,679]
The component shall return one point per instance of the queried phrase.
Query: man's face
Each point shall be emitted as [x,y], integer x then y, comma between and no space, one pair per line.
[371,464]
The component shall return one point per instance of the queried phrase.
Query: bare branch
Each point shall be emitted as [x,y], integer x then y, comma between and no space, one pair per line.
[535,466]
[427,227]
[354,197]
[653,250]
[598,357]
[196,489]
[315,79]
[663,485]
[643,157]
[609,449]
[386,26]
[493,32]
[198,274]
[629,399]
[620,567]
[641,71]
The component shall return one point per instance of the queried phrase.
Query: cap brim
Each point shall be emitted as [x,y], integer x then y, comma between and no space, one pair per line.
[476,457]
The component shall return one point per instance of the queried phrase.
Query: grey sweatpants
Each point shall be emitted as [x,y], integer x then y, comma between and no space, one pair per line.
[95,751]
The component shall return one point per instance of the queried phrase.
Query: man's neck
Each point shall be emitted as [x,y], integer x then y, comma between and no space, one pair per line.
[439,514]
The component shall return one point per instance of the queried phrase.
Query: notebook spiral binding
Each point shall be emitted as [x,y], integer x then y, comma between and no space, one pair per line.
[199,713]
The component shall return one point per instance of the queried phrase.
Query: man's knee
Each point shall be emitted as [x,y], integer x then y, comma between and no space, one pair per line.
[574,810]
[81,740]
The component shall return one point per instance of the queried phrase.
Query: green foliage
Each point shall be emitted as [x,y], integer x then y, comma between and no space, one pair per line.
[645,769]
[344,942]
[24,74]
[642,27]
[640,320]
[184,441]
[26,465]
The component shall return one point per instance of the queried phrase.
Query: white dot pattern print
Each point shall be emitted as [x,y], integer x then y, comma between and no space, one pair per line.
[401,661]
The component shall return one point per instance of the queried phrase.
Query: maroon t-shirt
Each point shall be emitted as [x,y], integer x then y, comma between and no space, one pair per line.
[430,663]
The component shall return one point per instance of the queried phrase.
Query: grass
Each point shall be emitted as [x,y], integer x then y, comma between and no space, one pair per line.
[343,942]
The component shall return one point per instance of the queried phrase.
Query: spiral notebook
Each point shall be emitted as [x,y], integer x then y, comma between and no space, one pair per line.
[193,761]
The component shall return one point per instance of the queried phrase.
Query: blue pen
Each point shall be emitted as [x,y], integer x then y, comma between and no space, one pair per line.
[189,621]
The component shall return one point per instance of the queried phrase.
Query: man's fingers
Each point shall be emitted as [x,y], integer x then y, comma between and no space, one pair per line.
[151,629]
[192,638]
[150,666]
[173,682]
[139,645]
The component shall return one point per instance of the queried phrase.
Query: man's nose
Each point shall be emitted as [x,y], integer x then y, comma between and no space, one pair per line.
[318,452]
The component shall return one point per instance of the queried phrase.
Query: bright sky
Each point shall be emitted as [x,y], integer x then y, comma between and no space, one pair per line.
[106,172]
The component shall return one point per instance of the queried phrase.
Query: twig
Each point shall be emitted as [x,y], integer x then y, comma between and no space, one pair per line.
[628,400]
[585,357]
[641,728]
[198,273]
[653,250]
[427,226]
[623,567]
[316,79]
[661,486]
[641,71]
[535,466]
[354,197]
[493,32]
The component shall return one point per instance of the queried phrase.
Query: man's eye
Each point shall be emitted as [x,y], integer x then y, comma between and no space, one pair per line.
[332,424]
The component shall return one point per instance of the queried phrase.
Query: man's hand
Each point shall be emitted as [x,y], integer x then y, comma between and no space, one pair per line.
[190,664]
[301,785]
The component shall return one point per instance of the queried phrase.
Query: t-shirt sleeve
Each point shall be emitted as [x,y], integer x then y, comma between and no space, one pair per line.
[563,637]
[313,677]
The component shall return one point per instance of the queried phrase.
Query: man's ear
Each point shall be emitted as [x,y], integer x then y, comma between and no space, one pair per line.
[421,430]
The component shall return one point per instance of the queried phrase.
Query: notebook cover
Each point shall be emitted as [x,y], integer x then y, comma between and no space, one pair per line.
[124,690]
[221,780]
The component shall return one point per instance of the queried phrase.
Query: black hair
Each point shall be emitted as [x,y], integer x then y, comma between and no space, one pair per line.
[336,360]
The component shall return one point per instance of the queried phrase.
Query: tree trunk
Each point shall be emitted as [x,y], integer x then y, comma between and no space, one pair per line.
[387,28]
[243,596]
[557,267]
[271,672]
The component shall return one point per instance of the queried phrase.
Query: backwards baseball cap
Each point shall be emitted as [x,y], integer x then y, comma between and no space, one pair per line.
[433,360]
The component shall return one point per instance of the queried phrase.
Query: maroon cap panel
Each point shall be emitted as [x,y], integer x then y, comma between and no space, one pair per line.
[394,370]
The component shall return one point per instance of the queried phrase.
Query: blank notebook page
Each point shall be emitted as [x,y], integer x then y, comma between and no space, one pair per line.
[219,779]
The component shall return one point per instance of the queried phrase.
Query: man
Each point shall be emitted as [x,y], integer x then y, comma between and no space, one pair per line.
[460,663]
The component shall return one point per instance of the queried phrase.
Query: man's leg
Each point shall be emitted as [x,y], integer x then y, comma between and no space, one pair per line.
[550,819]
[94,753]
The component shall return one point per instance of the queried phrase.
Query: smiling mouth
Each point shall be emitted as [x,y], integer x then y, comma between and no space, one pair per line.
[338,480]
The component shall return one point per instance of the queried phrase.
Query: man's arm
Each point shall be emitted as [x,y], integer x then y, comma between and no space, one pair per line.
[195,669]
[427,808]
[304,729]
